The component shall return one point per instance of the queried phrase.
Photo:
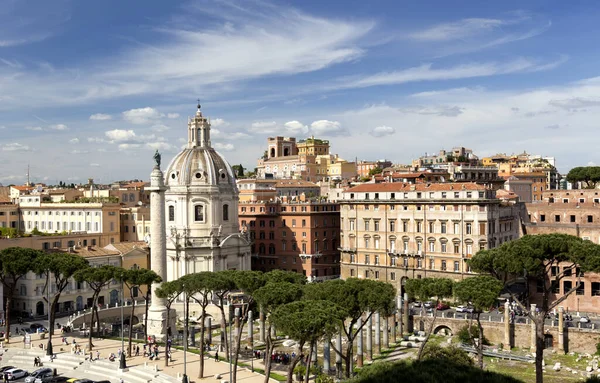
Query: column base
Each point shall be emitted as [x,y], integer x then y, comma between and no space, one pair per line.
[157,323]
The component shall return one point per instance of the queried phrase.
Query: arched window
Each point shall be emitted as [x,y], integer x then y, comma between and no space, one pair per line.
[199,213]
[272,249]
[272,152]
[261,248]
[131,197]
[225,212]
[171,213]
[125,197]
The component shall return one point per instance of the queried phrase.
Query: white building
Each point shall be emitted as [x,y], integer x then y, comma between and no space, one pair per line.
[201,209]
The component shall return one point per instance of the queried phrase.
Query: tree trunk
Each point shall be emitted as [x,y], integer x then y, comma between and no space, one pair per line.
[202,332]
[130,327]
[94,299]
[95,311]
[238,342]
[310,352]
[428,335]
[539,347]
[268,351]
[7,314]
[348,357]
[167,344]
[224,331]
[293,363]
[53,315]
[480,344]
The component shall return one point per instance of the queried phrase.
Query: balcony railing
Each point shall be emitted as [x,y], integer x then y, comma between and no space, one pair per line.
[323,278]
[347,249]
[315,255]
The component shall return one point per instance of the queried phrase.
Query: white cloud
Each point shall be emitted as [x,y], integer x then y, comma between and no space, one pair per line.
[34,128]
[101,150]
[457,30]
[77,151]
[442,111]
[15,147]
[263,127]
[326,128]
[58,127]
[427,72]
[120,135]
[141,115]
[100,117]
[74,140]
[223,147]
[575,104]
[172,115]
[216,122]
[160,146]
[238,136]
[296,127]
[160,128]
[129,146]
[381,131]
[97,140]
[94,165]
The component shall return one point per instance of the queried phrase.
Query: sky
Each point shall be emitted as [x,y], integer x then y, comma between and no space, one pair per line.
[92,89]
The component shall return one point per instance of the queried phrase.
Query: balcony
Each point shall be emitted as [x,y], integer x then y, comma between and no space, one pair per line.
[307,256]
[255,255]
[323,278]
[347,249]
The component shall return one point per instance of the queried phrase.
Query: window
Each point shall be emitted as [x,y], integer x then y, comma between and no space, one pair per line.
[376,274]
[393,276]
[303,223]
[225,212]
[367,243]
[367,259]
[376,260]
[456,248]
[443,228]
[392,245]
[456,266]
[595,289]
[367,222]
[351,272]
[392,226]
[456,228]
[405,226]
[581,289]
[444,247]
[443,265]
[431,263]
[572,218]
[469,228]
[431,227]
[199,213]
[590,219]
[171,213]
[432,246]
[542,217]
[418,226]
[557,218]
[376,224]
[366,273]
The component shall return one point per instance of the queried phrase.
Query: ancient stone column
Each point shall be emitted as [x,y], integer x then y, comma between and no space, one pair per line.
[561,330]
[261,325]
[338,345]
[157,312]
[534,314]
[250,330]
[313,360]
[359,343]
[386,332]
[378,332]
[393,326]
[370,338]
[326,356]
[507,342]
[406,312]
[273,332]
[209,329]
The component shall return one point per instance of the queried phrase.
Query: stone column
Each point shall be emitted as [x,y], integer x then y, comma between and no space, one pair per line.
[378,332]
[250,330]
[561,330]
[507,342]
[370,338]
[157,312]
[209,325]
[313,360]
[338,355]
[261,325]
[359,344]
[273,332]
[406,312]
[326,356]
[393,325]
[534,314]
[386,332]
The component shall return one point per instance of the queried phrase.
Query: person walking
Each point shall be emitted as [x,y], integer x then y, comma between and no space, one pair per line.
[217,356]
[97,355]
[137,350]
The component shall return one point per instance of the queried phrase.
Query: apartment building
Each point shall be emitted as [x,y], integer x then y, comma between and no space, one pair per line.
[70,218]
[296,236]
[395,231]
[573,212]
[363,168]
[9,213]
[135,223]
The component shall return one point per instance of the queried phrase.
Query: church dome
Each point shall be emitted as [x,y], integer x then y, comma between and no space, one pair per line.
[199,163]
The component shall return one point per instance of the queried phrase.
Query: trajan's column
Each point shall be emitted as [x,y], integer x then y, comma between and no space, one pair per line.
[157,313]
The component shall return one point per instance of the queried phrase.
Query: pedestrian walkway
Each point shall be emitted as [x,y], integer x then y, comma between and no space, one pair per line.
[212,369]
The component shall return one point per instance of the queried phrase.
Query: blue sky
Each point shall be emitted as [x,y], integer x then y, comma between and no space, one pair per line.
[91,89]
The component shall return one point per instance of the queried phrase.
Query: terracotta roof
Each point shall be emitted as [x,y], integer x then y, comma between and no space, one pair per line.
[294,183]
[23,188]
[506,194]
[88,251]
[5,199]
[126,247]
[402,187]
[132,185]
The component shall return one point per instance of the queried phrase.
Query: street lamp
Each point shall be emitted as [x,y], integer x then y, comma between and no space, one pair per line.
[122,361]
[185,335]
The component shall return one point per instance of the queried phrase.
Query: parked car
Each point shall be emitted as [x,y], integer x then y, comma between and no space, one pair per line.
[37,327]
[39,372]
[464,309]
[442,306]
[416,304]
[16,373]
[54,379]
[6,368]
[584,319]
[428,305]
[40,378]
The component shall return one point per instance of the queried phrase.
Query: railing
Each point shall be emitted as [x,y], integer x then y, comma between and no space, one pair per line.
[315,255]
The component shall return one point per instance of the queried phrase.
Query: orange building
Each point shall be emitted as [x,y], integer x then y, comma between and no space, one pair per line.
[302,237]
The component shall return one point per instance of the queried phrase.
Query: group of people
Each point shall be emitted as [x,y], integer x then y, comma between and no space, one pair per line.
[276,357]
[37,362]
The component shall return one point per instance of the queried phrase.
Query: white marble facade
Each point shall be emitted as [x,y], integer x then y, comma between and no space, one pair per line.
[201,212]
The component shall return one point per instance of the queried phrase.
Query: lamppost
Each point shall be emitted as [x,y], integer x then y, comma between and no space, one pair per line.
[231,313]
[49,345]
[122,361]
[185,335]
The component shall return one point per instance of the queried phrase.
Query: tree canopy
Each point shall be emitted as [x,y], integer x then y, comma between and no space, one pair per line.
[589,176]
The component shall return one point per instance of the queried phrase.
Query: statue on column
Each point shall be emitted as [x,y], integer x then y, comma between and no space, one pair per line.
[157,158]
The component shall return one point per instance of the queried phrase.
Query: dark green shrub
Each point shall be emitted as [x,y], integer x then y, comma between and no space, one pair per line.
[463,335]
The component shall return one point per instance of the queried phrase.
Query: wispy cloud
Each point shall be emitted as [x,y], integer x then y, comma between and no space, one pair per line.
[100,117]
[457,30]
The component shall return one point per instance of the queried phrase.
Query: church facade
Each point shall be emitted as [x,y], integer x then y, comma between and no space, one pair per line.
[201,209]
